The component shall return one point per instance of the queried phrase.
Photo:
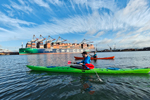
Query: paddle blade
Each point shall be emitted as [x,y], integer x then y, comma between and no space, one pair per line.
[69,62]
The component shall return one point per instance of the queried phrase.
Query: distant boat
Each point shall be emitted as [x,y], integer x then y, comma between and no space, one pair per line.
[80,58]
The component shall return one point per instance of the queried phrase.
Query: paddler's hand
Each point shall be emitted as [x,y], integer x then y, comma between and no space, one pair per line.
[81,64]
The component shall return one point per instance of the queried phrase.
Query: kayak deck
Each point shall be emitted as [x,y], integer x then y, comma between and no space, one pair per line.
[80,58]
[68,69]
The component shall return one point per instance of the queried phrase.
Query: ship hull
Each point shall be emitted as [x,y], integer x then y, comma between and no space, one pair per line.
[26,51]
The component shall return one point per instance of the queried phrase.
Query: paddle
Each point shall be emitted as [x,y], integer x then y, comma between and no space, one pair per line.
[91,55]
[69,62]
[90,66]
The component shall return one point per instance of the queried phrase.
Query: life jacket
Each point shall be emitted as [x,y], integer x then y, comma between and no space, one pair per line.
[88,66]
[95,56]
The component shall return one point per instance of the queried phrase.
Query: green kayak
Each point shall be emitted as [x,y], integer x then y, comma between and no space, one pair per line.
[68,69]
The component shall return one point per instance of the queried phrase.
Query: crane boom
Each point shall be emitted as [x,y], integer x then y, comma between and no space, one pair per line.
[86,41]
[60,40]
[49,40]
[34,39]
[41,38]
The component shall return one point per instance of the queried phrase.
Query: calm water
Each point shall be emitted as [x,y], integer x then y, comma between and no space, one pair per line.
[18,82]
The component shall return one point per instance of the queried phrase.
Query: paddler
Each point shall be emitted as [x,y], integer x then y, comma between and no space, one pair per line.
[86,63]
[95,55]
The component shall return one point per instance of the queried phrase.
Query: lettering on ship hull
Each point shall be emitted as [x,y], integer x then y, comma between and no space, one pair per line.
[49,50]
[67,50]
[57,50]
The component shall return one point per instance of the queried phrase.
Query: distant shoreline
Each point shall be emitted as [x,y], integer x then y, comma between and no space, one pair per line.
[9,53]
[120,50]
[106,50]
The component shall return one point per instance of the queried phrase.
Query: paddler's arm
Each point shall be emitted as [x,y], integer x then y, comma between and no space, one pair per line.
[86,61]
[80,63]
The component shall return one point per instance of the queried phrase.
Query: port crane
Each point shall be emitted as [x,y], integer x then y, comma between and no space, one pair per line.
[34,39]
[49,40]
[60,40]
[40,42]
[86,41]
[109,47]
[41,38]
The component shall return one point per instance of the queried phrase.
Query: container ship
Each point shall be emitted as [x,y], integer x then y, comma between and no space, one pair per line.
[36,46]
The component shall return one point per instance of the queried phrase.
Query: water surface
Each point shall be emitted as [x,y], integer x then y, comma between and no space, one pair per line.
[20,83]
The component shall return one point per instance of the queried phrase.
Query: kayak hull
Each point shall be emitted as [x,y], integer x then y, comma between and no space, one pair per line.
[68,69]
[81,58]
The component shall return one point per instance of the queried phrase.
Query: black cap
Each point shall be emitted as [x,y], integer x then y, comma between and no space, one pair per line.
[84,52]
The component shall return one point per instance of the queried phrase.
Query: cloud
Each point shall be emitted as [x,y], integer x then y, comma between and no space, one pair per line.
[4,30]
[11,22]
[90,17]
[144,28]
[99,34]
[42,3]
[97,4]
[120,33]
[91,32]
[135,14]
[56,2]
[7,6]
[105,41]
[23,7]
[22,2]
[134,41]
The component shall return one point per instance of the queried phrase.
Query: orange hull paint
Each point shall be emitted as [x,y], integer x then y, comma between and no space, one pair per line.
[81,58]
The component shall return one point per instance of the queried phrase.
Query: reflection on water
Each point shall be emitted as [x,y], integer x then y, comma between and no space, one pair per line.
[81,86]
[87,86]
[50,59]
[20,83]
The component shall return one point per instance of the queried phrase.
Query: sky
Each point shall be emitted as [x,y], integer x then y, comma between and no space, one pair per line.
[108,23]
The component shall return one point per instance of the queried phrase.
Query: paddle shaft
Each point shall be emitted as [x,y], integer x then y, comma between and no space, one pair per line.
[98,76]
